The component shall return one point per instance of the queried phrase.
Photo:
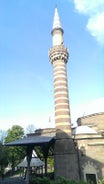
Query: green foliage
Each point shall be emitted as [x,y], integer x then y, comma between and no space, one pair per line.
[50,161]
[59,180]
[39,152]
[14,153]
[62,180]
[16,132]
[39,180]
[3,159]
[42,152]
[101,181]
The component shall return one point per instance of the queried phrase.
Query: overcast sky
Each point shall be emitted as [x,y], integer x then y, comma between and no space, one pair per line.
[26,74]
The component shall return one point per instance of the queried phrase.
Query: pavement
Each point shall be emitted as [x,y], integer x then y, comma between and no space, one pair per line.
[13,180]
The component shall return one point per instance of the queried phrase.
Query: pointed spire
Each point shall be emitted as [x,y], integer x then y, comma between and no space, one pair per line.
[57,31]
[56,21]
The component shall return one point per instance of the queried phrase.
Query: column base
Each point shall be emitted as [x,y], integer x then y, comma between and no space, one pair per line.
[66,162]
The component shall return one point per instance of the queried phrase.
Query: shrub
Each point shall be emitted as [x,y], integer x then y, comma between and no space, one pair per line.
[101,181]
[59,180]
[62,180]
[39,180]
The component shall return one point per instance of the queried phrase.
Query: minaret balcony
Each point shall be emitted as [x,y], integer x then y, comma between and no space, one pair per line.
[58,52]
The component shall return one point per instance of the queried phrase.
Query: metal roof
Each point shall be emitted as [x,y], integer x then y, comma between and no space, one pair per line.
[31,140]
[83,129]
[35,162]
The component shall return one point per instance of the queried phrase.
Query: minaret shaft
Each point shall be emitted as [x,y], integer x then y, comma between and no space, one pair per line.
[59,56]
[62,117]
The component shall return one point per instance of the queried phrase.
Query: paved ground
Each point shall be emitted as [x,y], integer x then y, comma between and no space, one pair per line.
[13,180]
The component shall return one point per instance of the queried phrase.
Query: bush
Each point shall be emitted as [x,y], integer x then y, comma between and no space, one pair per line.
[101,181]
[59,180]
[62,180]
[39,180]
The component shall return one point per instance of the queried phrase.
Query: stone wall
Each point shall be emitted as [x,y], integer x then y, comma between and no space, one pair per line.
[96,121]
[91,155]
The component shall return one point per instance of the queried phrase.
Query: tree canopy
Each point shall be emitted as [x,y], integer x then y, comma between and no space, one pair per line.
[15,153]
[16,132]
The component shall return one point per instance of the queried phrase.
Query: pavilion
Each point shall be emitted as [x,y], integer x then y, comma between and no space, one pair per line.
[31,141]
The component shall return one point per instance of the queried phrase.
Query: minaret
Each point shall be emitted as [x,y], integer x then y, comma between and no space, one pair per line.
[64,151]
[59,57]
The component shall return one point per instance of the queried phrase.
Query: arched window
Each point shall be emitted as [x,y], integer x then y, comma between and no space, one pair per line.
[90,173]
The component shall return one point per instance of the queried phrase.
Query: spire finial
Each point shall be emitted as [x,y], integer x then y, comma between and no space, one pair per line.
[56,21]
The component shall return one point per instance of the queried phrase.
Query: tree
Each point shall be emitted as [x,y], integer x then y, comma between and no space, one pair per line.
[15,153]
[3,155]
[3,159]
[16,132]
[3,134]
[30,129]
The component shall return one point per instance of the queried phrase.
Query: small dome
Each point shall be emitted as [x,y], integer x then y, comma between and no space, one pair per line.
[84,130]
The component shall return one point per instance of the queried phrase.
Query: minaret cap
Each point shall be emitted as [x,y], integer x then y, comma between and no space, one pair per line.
[57,31]
[56,21]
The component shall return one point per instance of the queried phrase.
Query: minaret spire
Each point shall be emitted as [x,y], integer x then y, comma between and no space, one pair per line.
[56,21]
[57,31]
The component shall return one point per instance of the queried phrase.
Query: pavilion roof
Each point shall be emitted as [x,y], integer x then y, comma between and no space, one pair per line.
[31,140]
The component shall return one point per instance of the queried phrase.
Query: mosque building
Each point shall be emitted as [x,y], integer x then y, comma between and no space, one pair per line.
[79,152]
